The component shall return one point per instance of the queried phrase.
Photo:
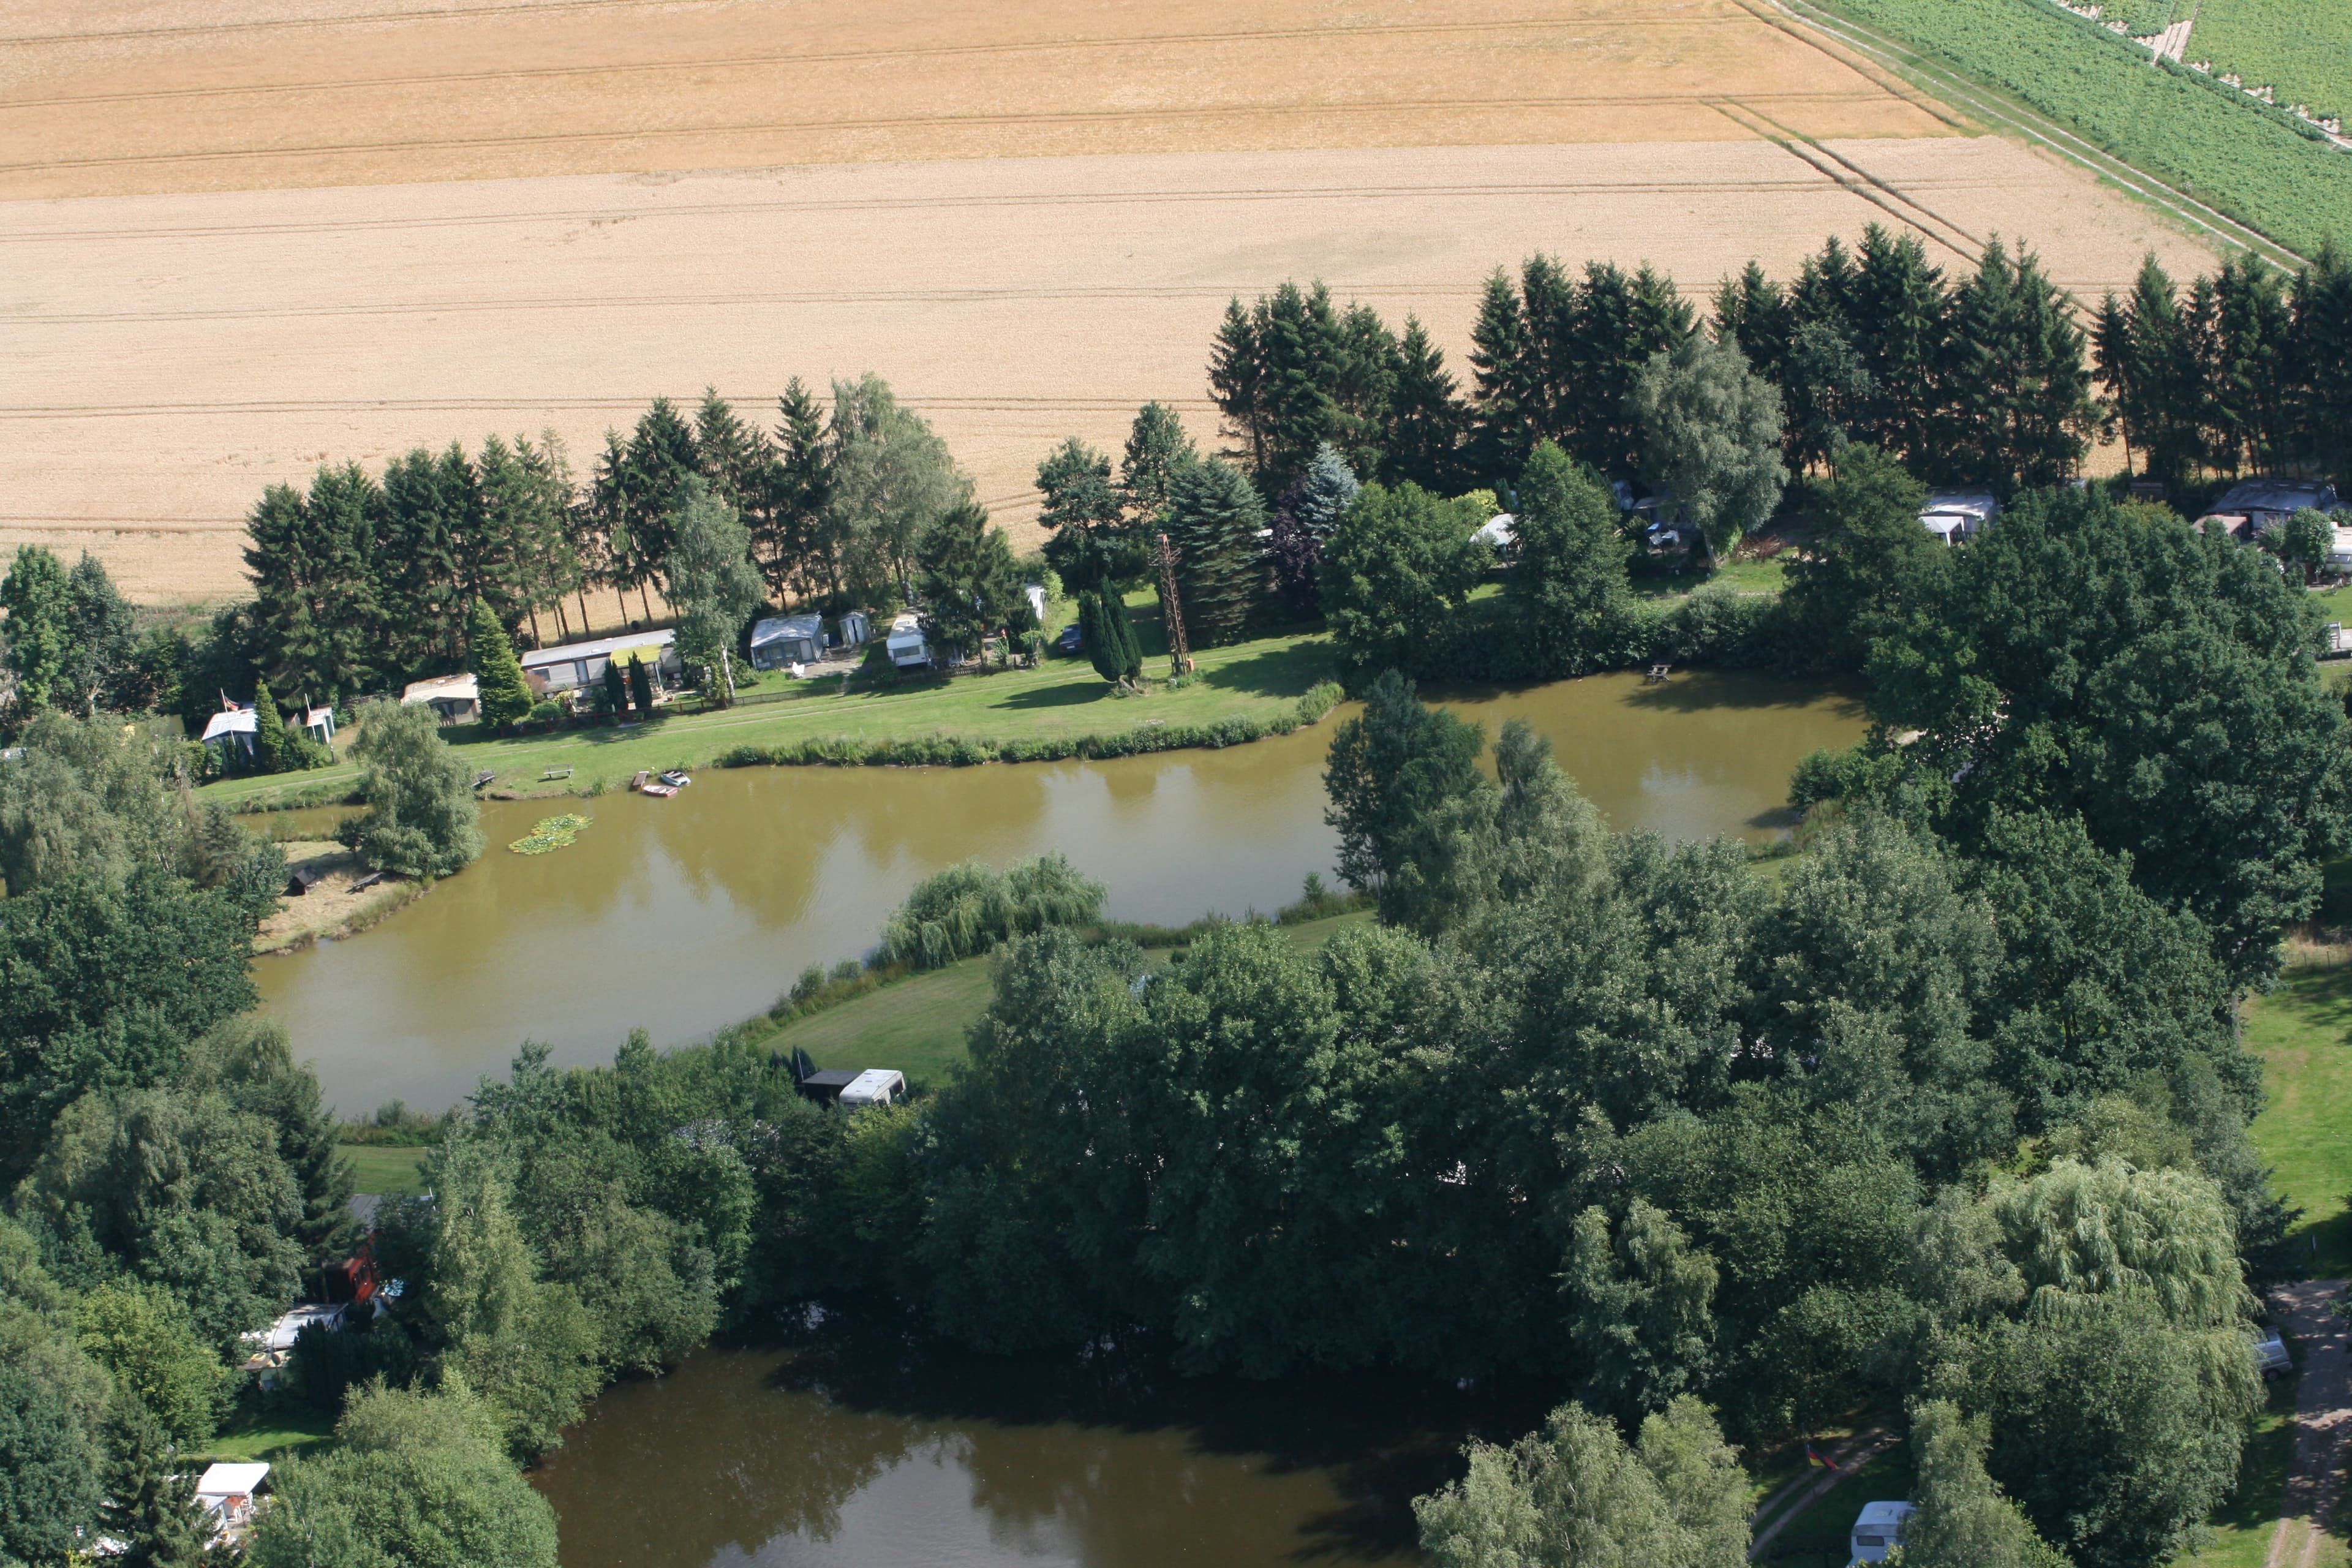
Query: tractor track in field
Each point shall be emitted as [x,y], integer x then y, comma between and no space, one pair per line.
[831,125]
[1999,110]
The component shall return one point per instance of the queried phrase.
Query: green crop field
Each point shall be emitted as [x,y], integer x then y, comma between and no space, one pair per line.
[2223,150]
[2302,47]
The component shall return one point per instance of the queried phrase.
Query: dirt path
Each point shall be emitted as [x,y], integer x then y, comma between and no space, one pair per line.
[1858,1450]
[2323,1413]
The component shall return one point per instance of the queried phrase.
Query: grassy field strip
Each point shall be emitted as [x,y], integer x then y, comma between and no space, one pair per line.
[2030,123]
[2303,1032]
[917,1026]
[994,706]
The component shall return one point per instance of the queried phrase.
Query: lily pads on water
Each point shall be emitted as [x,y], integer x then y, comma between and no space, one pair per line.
[550,834]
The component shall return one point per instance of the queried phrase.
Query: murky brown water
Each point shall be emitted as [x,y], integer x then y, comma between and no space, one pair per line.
[874,1448]
[689,914]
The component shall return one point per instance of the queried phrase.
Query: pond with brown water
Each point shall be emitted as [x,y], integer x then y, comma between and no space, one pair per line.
[863,1444]
[689,914]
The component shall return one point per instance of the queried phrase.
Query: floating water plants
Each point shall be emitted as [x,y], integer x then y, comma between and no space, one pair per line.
[550,834]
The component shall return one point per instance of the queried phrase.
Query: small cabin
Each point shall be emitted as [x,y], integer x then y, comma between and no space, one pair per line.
[855,629]
[781,640]
[300,879]
[454,698]
[2251,507]
[906,647]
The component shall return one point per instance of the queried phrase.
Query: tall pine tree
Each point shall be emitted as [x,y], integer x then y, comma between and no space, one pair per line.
[1427,419]
[1502,428]
[1213,518]
[505,694]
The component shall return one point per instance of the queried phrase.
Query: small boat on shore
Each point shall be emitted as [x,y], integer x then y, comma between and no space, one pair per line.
[676,780]
[660,791]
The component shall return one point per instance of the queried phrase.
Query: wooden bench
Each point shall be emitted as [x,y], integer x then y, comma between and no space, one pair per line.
[555,773]
[1659,672]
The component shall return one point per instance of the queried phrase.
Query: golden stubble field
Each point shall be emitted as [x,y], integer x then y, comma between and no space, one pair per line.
[238,239]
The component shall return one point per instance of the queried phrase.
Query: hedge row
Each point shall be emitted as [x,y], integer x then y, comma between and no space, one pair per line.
[1717,626]
[957,750]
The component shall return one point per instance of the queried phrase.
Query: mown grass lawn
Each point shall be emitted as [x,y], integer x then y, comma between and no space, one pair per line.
[383,1169]
[256,1434]
[917,1024]
[2303,1032]
[1062,698]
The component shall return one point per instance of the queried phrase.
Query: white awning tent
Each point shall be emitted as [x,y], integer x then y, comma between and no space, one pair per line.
[233,722]
[1499,532]
[226,1493]
[231,1480]
[1953,516]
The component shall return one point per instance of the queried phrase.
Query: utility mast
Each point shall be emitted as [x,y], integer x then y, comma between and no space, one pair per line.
[1180,657]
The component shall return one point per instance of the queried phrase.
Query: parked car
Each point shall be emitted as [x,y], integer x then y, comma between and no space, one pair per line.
[1072,639]
[2270,1354]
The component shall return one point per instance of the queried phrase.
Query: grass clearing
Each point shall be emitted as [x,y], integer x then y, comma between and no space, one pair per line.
[257,1434]
[388,1170]
[1061,699]
[1821,1537]
[2303,1032]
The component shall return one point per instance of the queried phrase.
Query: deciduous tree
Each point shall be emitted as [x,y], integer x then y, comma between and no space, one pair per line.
[1710,434]
[422,819]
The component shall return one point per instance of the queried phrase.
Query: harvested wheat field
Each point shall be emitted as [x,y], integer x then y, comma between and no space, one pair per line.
[239,239]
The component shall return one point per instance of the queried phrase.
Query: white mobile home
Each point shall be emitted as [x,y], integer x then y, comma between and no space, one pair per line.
[577,664]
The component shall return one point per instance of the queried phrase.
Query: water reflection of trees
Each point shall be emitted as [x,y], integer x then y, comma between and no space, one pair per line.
[680,1471]
[1106,1458]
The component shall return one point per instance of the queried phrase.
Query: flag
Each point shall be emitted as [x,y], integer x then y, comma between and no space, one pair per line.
[1819,1460]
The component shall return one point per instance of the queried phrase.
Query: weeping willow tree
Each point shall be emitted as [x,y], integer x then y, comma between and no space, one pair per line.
[968,909]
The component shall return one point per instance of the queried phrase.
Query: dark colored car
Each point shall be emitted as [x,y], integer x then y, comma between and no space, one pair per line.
[1072,640]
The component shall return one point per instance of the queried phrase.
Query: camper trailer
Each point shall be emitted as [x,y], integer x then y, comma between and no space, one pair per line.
[906,647]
